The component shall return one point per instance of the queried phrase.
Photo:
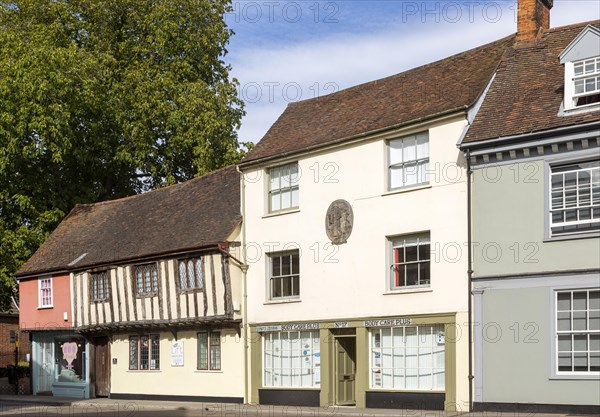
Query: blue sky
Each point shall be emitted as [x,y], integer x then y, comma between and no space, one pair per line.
[290,50]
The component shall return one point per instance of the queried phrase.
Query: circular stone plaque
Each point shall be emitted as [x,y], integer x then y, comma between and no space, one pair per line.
[339,221]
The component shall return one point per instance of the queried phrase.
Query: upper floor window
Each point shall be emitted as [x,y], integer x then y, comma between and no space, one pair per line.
[283,187]
[284,275]
[191,276]
[586,82]
[100,286]
[408,161]
[146,279]
[575,196]
[45,292]
[410,264]
[578,331]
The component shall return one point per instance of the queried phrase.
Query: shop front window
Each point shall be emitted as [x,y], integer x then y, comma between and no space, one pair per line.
[70,360]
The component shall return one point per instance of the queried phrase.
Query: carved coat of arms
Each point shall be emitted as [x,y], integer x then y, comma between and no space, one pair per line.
[339,221]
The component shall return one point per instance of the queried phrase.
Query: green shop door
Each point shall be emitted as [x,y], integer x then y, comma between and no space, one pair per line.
[345,358]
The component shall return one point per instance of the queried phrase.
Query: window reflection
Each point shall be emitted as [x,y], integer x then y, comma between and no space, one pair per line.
[70,359]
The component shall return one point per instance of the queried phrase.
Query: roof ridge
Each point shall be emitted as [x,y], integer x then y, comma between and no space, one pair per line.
[392,76]
[121,199]
[572,25]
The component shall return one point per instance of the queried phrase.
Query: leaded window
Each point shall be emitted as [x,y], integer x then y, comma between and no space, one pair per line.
[191,275]
[144,352]
[209,351]
[146,279]
[100,286]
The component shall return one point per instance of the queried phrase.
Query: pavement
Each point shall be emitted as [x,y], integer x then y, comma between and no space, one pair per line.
[233,410]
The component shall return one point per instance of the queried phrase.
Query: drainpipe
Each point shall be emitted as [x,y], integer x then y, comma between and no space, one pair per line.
[244,268]
[470,278]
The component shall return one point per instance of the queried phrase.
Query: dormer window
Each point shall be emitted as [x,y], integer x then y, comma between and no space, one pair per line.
[586,82]
[582,71]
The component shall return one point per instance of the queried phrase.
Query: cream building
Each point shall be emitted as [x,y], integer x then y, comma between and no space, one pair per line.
[355,232]
[151,296]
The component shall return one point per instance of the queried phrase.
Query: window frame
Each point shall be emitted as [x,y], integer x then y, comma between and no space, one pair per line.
[281,276]
[391,259]
[419,337]
[314,335]
[41,303]
[587,285]
[151,354]
[561,161]
[209,351]
[134,280]
[570,79]
[106,287]
[294,186]
[198,262]
[417,161]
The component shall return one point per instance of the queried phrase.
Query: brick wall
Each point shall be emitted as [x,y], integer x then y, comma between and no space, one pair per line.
[533,15]
[10,323]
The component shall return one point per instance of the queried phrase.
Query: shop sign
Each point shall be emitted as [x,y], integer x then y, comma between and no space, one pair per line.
[288,327]
[177,353]
[389,322]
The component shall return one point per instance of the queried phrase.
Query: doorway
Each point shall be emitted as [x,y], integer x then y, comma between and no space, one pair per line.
[45,367]
[102,366]
[345,370]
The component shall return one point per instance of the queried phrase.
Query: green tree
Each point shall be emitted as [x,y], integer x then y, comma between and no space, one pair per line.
[101,99]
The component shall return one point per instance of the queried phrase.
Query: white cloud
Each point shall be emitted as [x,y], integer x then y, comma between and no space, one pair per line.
[272,77]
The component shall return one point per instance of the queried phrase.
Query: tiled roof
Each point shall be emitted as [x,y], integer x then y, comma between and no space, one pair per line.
[528,90]
[447,85]
[200,212]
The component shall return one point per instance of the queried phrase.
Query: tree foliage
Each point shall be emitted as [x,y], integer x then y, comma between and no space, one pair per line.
[101,99]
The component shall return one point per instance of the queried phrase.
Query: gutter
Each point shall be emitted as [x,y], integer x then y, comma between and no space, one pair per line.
[357,138]
[469,278]
[244,268]
[515,139]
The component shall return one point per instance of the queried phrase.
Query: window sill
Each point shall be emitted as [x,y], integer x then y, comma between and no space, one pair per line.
[283,301]
[142,296]
[292,388]
[578,110]
[590,375]
[408,291]
[207,371]
[144,371]
[420,391]
[575,236]
[407,189]
[190,291]
[45,307]
[281,213]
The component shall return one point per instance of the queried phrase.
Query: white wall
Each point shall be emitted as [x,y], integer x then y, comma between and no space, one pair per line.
[351,280]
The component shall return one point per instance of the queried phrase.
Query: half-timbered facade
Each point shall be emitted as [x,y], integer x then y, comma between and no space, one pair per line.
[154,295]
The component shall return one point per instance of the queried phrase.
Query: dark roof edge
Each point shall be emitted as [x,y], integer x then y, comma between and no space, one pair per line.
[515,139]
[148,257]
[355,138]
